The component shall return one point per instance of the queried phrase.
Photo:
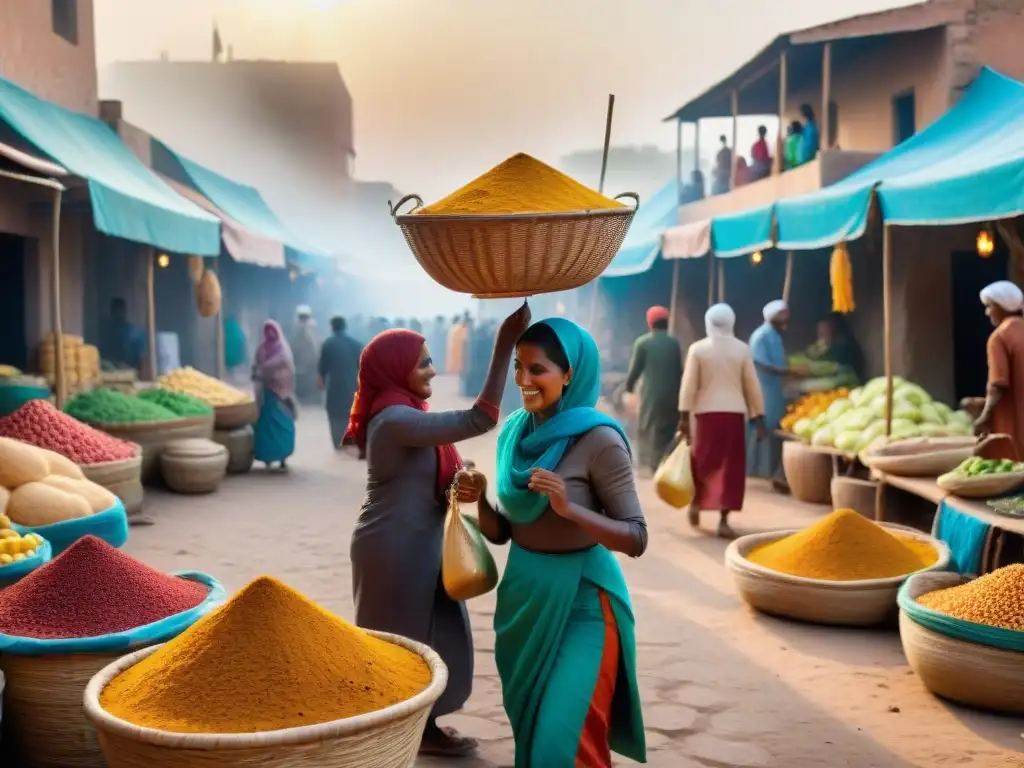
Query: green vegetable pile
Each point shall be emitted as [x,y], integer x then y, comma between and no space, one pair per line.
[977,466]
[108,406]
[178,403]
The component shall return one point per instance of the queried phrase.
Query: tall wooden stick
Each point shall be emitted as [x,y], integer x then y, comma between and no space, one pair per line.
[711,279]
[787,284]
[600,188]
[59,374]
[673,308]
[721,281]
[151,311]
[887,320]
[222,366]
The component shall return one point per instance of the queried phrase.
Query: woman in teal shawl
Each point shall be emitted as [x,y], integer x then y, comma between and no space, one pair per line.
[566,646]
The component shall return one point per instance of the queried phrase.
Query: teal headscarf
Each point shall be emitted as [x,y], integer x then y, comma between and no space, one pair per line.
[523,446]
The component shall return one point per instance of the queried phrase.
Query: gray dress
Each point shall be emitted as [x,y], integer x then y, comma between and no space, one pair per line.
[396,545]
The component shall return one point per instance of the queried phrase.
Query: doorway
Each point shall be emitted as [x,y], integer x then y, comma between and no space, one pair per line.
[971,327]
[13,348]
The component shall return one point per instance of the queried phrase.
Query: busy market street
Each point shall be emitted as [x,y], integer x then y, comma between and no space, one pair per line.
[722,687]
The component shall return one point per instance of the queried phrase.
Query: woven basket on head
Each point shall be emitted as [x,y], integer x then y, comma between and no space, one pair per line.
[808,472]
[968,673]
[853,493]
[235,416]
[512,255]
[865,602]
[387,738]
[154,435]
[194,465]
[44,723]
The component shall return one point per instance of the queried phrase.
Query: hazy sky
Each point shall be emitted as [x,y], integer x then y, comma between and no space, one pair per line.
[444,89]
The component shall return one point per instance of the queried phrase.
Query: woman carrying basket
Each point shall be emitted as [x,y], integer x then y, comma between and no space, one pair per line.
[411,463]
[565,648]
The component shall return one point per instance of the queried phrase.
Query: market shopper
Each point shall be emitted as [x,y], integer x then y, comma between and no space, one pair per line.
[412,461]
[338,373]
[721,394]
[764,456]
[306,349]
[657,366]
[565,646]
[838,345]
[273,374]
[1004,398]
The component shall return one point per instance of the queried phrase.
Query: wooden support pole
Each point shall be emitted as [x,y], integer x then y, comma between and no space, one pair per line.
[679,161]
[887,320]
[59,374]
[735,136]
[151,312]
[696,147]
[780,163]
[787,284]
[222,366]
[721,281]
[673,309]
[711,278]
[826,96]
[600,188]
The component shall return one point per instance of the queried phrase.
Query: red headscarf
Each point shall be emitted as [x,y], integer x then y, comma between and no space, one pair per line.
[384,369]
[654,314]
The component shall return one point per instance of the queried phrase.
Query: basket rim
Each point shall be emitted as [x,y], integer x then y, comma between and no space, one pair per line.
[404,219]
[144,426]
[135,458]
[103,720]
[735,560]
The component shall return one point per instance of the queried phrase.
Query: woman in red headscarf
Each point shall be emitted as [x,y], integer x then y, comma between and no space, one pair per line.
[411,463]
[657,366]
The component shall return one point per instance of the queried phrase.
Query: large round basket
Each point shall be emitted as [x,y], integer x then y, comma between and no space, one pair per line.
[240,444]
[235,416]
[981,486]
[152,436]
[919,456]
[514,254]
[964,672]
[861,603]
[808,472]
[122,478]
[45,725]
[194,465]
[856,494]
[387,738]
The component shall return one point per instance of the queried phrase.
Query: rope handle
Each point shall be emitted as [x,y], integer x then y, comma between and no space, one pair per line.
[395,208]
[633,195]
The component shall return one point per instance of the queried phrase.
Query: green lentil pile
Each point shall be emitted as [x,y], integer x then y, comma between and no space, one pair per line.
[108,406]
[178,403]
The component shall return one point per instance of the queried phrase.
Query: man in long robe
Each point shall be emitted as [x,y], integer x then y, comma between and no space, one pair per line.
[338,371]
[657,366]
[305,350]
[1004,399]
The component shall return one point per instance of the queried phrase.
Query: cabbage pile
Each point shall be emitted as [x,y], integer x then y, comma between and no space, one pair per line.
[852,423]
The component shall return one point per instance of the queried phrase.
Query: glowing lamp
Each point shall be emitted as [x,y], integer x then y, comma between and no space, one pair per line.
[985,243]
[163,261]
[756,257]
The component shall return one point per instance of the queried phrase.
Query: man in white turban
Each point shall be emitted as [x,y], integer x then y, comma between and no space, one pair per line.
[1004,398]
[764,457]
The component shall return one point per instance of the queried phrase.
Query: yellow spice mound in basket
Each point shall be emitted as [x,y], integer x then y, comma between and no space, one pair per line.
[845,547]
[996,599]
[521,184]
[267,659]
[189,381]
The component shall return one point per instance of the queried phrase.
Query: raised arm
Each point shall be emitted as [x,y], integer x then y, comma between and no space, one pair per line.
[416,429]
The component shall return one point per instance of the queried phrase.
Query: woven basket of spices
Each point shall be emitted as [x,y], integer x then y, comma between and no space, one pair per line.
[967,662]
[236,416]
[153,436]
[342,696]
[520,229]
[853,602]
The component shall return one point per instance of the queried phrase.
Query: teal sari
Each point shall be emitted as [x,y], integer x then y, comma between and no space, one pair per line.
[548,622]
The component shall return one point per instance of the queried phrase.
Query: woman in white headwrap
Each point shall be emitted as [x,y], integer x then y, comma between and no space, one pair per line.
[1004,407]
[764,457]
[721,392]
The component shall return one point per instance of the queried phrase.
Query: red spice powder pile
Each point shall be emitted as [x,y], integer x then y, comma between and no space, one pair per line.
[92,589]
[37,422]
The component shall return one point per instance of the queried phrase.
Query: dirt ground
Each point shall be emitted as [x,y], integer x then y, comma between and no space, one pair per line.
[722,686]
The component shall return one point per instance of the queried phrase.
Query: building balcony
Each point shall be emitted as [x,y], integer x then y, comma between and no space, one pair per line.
[829,167]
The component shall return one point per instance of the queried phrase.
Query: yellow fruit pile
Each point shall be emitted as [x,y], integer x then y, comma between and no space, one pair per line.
[841,277]
[810,406]
[13,546]
[192,382]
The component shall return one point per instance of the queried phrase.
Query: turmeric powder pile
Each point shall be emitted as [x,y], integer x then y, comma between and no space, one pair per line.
[521,184]
[996,599]
[845,547]
[267,659]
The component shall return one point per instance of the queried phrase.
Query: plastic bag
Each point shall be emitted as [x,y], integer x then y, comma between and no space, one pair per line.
[111,525]
[14,572]
[673,482]
[467,567]
[148,634]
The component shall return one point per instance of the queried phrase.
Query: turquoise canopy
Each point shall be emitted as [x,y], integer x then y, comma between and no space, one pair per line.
[128,200]
[241,202]
[643,241]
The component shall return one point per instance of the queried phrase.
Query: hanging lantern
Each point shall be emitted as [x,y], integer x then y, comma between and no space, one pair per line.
[841,277]
[163,261]
[196,267]
[985,242]
[756,258]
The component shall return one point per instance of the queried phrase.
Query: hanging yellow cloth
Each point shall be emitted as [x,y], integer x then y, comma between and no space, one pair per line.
[841,277]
